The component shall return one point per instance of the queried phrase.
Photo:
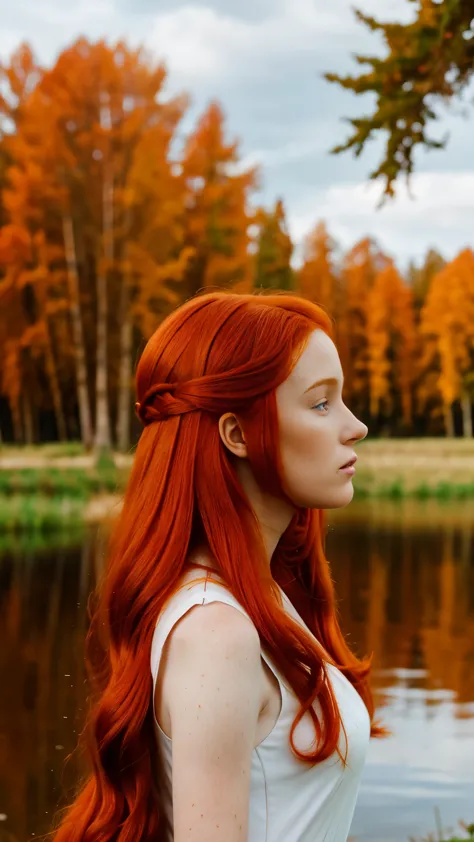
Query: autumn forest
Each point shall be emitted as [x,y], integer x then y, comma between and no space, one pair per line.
[110,217]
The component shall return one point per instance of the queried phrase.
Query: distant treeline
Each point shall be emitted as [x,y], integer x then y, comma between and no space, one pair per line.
[110,218]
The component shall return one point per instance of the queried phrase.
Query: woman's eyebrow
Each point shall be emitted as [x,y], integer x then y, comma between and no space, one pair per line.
[326,381]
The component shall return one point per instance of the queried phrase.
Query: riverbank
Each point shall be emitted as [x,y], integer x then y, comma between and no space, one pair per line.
[59,486]
[422,468]
[381,461]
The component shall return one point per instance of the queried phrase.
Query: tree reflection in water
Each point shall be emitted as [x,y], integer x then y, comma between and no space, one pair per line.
[405,583]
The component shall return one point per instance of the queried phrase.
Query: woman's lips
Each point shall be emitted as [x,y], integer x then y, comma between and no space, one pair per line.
[349,467]
[349,470]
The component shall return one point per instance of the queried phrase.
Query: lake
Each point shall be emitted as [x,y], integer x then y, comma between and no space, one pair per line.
[404,575]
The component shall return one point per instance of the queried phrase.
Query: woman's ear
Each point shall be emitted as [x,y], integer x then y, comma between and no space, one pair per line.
[232,435]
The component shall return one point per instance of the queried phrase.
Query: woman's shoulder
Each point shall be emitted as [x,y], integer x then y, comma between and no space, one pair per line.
[218,623]
[198,588]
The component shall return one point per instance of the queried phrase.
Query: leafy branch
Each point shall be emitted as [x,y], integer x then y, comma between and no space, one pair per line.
[428,60]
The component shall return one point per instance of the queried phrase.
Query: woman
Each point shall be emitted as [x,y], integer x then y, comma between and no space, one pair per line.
[229,706]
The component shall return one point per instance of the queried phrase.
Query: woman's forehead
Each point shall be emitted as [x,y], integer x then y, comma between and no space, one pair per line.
[319,360]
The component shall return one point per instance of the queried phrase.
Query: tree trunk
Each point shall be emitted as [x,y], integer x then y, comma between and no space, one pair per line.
[28,418]
[102,419]
[83,401]
[55,387]
[17,423]
[49,360]
[448,421]
[125,369]
[466,415]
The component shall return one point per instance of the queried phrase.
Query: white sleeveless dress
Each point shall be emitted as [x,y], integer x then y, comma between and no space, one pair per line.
[289,801]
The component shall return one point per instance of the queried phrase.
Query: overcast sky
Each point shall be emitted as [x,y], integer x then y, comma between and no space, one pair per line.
[263,60]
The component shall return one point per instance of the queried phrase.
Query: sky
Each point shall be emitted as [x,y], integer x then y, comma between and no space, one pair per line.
[263,61]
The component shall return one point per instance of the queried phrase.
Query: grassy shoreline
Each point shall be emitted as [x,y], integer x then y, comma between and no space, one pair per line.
[419,468]
[59,486]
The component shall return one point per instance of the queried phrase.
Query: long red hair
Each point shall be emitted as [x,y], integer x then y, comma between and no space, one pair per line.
[218,352]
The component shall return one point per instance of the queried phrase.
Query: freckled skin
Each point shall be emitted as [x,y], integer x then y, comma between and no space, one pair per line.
[317,435]
[316,438]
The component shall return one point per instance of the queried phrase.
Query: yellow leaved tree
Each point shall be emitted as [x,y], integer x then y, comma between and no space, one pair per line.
[391,346]
[447,325]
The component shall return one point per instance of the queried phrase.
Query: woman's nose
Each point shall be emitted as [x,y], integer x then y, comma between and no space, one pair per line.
[358,430]
[363,431]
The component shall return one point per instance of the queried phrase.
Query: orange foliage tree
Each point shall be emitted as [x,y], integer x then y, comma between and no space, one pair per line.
[105,102]
[391,345]
[89,129]
[318,277]
[32,270]
[274,249]
[218,216]
[14,250]
[447,324]
[109,219]
[420,277]
[360,267]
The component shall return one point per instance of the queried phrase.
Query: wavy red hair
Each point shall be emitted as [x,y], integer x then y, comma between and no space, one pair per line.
[218,352]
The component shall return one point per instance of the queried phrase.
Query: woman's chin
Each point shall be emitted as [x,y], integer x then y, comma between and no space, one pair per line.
[342,497]
[335,498]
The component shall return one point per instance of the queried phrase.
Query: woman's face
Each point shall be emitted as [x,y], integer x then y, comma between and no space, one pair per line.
[317,430]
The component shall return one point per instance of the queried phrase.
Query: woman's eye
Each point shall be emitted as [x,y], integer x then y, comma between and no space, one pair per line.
[322,406]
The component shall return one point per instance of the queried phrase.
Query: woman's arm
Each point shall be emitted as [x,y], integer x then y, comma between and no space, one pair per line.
[214,693]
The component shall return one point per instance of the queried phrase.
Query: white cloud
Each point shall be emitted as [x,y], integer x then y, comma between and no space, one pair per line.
[441,213]
[198,41]
[316,142]
[193,40]
[10,39]
[52,25]
[75,14]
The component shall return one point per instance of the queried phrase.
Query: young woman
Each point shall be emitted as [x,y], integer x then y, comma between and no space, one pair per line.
[228,706]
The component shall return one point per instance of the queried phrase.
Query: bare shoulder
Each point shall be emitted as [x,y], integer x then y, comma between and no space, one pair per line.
[213,697]
[220,621]
[219,638]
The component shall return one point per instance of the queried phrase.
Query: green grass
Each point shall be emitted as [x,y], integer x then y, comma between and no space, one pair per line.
[35,513]
[47,499]
[22,540]
[61,482]
[397,490]
[433,446]
[51,450]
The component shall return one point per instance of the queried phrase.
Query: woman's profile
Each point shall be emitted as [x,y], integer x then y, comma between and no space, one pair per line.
[226,703]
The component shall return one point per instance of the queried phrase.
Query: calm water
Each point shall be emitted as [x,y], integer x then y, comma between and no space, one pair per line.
[405,580]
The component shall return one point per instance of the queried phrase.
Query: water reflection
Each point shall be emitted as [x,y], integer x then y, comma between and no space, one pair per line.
[406,591]
[407,594]
[409,597]
[42,627]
